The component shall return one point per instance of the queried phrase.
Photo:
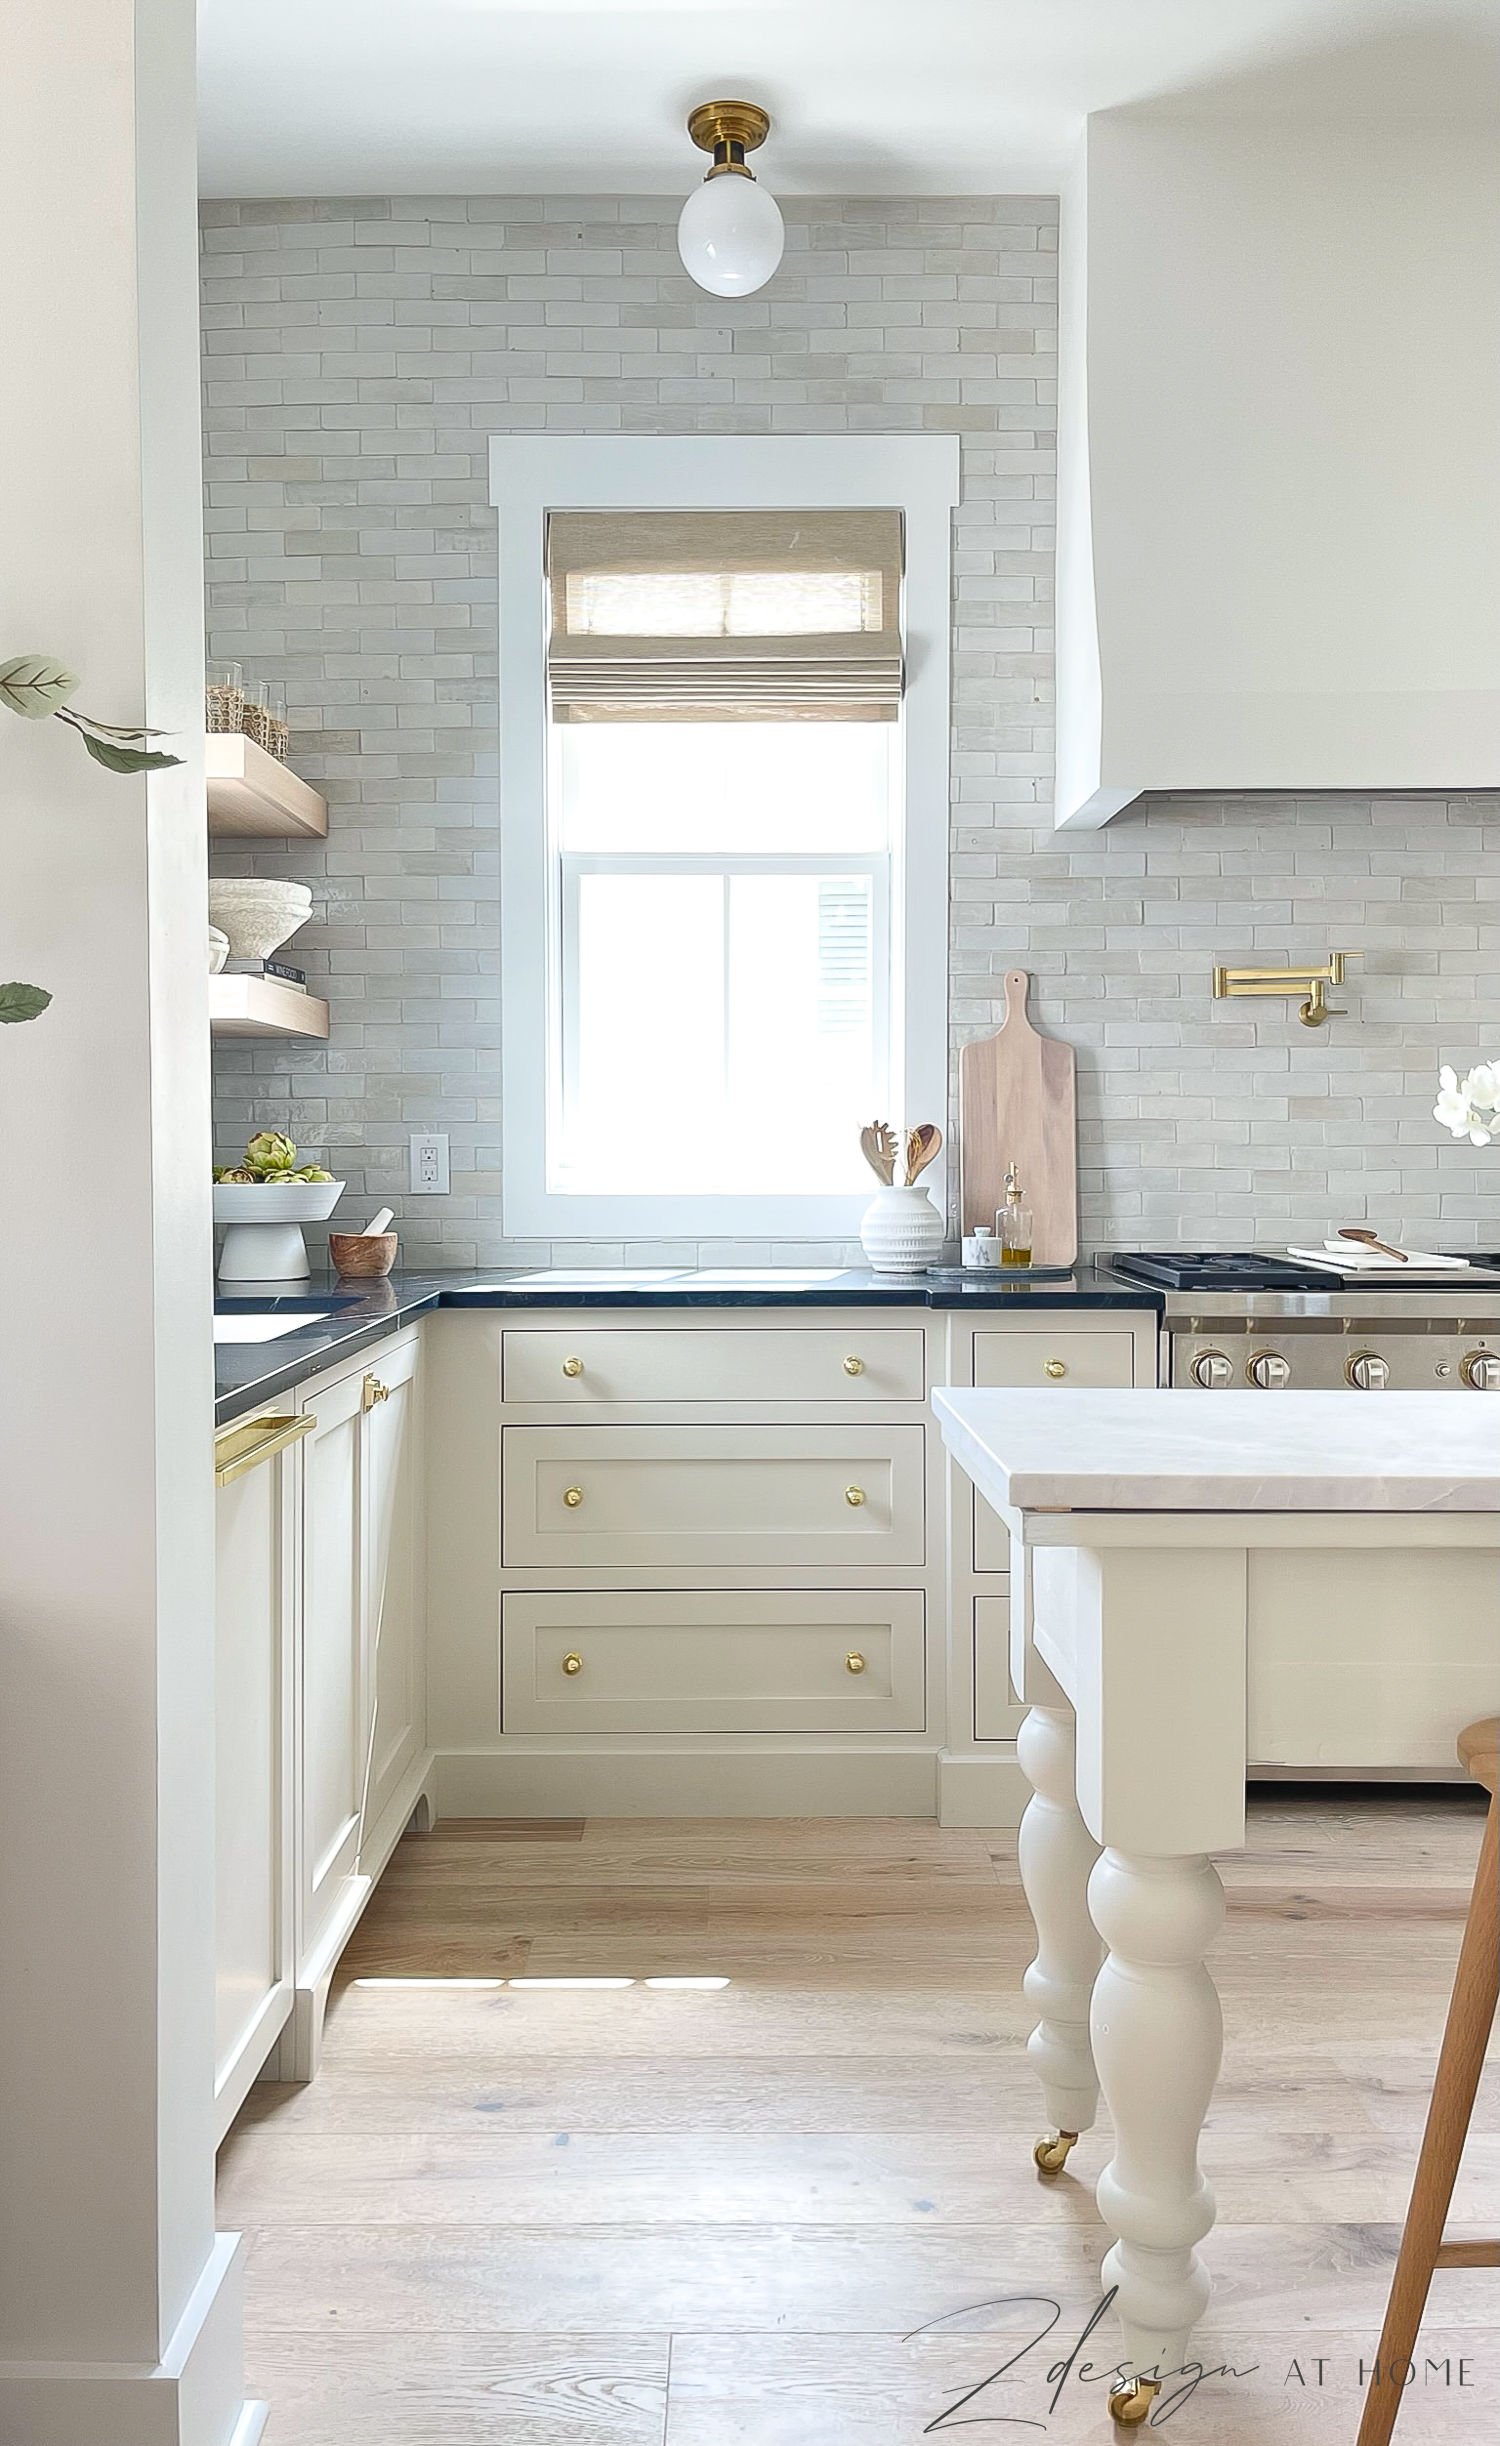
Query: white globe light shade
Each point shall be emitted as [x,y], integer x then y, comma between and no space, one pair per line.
[730,236]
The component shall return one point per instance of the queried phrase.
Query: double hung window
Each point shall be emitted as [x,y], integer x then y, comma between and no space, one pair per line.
[713,930]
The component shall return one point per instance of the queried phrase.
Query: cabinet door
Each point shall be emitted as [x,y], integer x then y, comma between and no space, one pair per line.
[997,1716]
[253,1958]
[332,1685]
[391,1462]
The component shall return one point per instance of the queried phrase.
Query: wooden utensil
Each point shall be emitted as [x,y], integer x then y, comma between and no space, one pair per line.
[878,1146]
[1017,1105]
[1351,1231]
[922,1144]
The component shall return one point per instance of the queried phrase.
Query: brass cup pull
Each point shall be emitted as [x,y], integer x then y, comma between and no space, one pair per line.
[854,1495]
[853,1366]
[854,1662]
[1056,1369]
[374,1391]
[572,1497]
[572,1663]
[572,1367]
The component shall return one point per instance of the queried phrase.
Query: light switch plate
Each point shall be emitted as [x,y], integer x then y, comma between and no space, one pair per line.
[429,1163]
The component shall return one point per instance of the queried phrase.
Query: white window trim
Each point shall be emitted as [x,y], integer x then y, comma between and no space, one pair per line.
[916,473]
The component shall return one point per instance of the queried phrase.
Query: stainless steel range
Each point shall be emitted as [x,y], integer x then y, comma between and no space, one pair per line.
[1238,1319]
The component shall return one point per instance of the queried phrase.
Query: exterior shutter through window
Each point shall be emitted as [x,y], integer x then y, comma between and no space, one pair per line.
[724,615]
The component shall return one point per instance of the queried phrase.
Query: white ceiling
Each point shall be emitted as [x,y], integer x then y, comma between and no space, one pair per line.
[869,97]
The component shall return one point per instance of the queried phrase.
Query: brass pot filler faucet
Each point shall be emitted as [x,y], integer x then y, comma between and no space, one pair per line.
[1311,983]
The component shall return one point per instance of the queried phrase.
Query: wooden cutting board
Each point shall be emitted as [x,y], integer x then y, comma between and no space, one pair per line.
[1017,1104]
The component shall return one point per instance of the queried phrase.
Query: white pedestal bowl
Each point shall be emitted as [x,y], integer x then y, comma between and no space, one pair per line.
[263,1241]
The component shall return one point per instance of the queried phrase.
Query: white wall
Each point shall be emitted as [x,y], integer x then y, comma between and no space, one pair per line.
[119,2313]
[1292,485]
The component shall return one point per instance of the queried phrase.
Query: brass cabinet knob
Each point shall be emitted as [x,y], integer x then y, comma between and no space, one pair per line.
[854,1662]
[853,1366]
[572,1663]
[1055,1368]
[572,1367]
[572,1497]
[854,1495]
[373,1392]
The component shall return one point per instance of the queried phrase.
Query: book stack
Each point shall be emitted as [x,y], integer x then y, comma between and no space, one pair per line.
[282,970]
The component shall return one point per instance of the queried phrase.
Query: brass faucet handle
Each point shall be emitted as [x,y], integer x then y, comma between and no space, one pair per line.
[1317,1008]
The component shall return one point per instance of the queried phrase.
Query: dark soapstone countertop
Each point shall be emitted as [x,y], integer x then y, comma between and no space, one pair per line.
[356,1316]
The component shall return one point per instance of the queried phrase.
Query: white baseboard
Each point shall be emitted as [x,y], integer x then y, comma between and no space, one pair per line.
[978,1791]
[193,2397]
[846,1782]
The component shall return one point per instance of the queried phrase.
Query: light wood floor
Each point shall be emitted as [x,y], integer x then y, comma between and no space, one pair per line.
[783,2213]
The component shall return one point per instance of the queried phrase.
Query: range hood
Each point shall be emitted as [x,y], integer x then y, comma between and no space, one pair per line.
[1279,458]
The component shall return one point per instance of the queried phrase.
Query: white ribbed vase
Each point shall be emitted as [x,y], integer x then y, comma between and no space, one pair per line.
[902,1232]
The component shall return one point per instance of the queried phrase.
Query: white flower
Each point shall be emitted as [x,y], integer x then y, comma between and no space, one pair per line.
[1470,1107]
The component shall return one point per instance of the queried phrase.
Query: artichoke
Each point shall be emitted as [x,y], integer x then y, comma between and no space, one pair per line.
[237,1172]
[312,1172]
[270,1155]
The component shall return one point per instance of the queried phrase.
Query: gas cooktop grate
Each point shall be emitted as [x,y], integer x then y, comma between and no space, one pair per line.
[1249,1270]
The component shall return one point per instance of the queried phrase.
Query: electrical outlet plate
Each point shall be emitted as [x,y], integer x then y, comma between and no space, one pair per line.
[429,1163]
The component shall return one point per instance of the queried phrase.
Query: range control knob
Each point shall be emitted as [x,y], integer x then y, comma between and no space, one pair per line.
[1268,1370]
[1368,1372]
[1480,1370]
[1211,1368]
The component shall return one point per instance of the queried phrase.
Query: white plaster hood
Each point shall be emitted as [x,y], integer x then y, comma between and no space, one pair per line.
[1279,480]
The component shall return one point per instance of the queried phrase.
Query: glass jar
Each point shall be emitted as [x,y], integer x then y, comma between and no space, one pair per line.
[223,697]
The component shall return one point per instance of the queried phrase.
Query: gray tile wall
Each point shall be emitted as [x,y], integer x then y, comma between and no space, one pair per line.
[358,354]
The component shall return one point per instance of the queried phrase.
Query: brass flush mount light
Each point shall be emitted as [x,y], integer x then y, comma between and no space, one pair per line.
[730,234]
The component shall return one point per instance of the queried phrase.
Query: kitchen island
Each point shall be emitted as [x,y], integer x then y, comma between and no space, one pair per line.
[1161,1548]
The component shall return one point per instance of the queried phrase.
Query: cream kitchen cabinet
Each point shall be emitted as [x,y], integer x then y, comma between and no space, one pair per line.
[321,1743]
[357,1702]
[254,1635]
[659,1535]
[1055,1351]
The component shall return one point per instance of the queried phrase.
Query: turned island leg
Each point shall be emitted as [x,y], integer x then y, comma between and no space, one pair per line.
[1158,2036]
[1057,1853]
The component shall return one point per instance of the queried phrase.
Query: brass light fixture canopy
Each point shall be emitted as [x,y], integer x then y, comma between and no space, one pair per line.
[729,130]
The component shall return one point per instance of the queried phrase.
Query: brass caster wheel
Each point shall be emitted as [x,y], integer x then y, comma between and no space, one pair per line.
[1131,2404]
[1051,2155]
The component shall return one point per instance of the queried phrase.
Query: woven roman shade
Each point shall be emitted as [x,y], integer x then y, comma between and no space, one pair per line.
[724,615]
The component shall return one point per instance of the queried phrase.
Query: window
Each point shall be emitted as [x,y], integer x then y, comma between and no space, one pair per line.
[723,827]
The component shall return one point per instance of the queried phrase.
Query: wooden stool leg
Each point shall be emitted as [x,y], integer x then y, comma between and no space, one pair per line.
[1470,2016]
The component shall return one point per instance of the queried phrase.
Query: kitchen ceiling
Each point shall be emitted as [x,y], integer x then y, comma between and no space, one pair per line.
[869,97]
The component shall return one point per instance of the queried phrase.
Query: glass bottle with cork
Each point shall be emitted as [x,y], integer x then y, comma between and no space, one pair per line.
[1013,1223]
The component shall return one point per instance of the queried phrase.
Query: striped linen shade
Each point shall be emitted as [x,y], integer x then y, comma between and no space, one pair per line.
[724,615]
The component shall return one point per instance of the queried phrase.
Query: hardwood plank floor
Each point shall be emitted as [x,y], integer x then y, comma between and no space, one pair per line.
[798,2210]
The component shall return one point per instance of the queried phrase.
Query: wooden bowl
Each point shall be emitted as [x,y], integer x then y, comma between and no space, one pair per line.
[358,1255]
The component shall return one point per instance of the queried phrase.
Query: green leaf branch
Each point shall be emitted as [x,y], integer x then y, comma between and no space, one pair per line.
[38,688]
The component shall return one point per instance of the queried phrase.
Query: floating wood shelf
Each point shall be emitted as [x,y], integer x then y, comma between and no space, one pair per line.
[252,794]
[263,1006]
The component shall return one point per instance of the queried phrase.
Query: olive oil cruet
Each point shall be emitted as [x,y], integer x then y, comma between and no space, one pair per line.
[1013,1223]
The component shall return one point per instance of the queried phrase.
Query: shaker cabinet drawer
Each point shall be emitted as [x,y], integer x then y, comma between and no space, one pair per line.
[1034,1355]
[720,1496]
[713,1661]
[844,1363]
